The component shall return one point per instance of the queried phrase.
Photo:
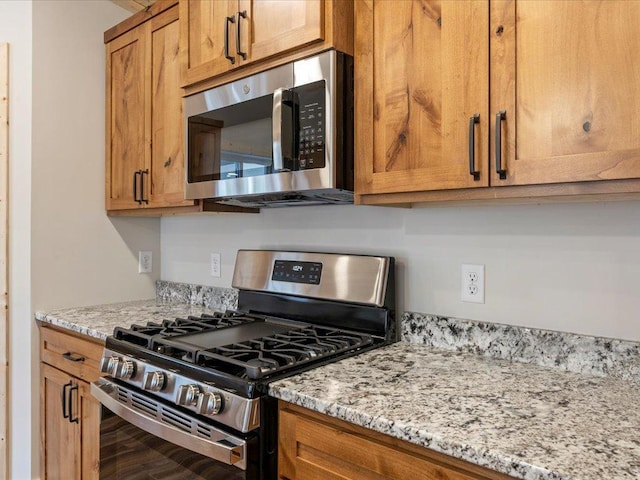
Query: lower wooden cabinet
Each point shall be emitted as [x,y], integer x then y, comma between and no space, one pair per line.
[69,415]
[313,446]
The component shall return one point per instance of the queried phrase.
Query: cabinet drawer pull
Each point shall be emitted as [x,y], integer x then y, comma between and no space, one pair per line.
[500,116]
[142,174]
[475,118]
[73,357]
[135,186]
[65,404]
[70,404]
[228,20]
[239,15]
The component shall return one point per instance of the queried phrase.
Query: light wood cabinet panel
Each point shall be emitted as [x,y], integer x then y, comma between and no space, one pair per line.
[69,415]
[317,447]
[567,75]
[260,34]
[166,168]
[421,74]
[126,130]
[202,28]
[564,74]
[71,446]
[280,25]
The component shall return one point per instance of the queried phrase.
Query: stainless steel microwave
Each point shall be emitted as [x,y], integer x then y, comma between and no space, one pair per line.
[282,137]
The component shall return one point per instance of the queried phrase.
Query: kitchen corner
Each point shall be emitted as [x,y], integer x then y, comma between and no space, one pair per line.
[532,404]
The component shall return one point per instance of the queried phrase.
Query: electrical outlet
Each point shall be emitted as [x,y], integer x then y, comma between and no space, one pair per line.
[215,265]
[145,262]
[472,283]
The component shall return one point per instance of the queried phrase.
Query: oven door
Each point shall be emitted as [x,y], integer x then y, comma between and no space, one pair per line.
[144,438]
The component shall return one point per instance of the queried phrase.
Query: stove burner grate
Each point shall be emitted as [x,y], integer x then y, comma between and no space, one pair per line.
[264,356]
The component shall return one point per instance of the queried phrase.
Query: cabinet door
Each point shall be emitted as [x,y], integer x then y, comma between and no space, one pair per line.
[567,74]
[277,26]
[421,75]
[61,438]
[89,412]
[127,139]
[165,182]
[202,42]
[314,450]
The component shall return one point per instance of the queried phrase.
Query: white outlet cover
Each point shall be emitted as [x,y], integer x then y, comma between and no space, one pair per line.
[215,265]
[145,262]
[472,283]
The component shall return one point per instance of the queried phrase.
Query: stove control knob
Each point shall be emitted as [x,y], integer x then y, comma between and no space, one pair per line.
[209,404]
[187,395]
[126,370]
[154,381]
[109,365]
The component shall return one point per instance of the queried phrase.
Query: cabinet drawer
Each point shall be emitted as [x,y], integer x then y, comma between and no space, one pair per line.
[71,353]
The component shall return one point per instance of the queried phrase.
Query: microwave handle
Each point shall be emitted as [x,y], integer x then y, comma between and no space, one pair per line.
[278,161]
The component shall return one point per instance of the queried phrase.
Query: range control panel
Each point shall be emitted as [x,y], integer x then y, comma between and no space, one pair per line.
[297,272]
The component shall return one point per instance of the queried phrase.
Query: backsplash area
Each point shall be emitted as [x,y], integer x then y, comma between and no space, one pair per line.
[567,351]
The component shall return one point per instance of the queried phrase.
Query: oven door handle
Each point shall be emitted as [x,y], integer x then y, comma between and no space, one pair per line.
[219,446]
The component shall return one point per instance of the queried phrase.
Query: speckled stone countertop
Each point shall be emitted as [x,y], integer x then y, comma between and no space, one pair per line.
[100,320]
[533,404]
[528,421]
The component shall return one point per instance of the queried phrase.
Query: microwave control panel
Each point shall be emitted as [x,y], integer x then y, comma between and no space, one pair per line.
[311,122]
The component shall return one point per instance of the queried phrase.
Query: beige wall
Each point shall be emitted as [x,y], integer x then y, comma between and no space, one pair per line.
[79,255]
[64,251]
[569,267]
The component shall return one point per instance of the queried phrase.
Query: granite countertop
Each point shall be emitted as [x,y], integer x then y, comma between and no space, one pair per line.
[100,320]
[528,421]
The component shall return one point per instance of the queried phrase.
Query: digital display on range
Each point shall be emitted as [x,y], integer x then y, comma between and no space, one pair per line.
[297,272]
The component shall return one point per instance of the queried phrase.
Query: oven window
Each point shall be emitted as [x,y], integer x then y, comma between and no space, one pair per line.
[126,452]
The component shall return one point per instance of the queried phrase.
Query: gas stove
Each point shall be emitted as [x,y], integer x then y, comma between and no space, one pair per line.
[296,311]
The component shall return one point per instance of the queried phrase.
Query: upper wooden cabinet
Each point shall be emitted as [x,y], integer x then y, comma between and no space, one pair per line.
[145,139]
[218,36]
[450,92]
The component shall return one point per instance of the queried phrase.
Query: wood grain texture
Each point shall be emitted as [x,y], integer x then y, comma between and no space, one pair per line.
[4,227]
[202,24]
[568,75]
[60,439]
[166,167]
[275,32]
[55,343]
[313,446]
[128,63]
[139,18]
[69,450]
[281,25]
[421,73]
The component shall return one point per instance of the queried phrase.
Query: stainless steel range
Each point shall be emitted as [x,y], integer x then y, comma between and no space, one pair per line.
[187,398]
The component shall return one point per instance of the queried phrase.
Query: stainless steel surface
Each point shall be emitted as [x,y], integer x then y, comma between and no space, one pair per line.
[348,278]
[153,381]
[209,403]
[187,395]
[170,424]
[278,164]
[319,67]
[239,413]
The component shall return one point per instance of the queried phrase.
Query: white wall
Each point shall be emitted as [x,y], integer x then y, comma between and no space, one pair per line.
[569,267]
[64,251]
